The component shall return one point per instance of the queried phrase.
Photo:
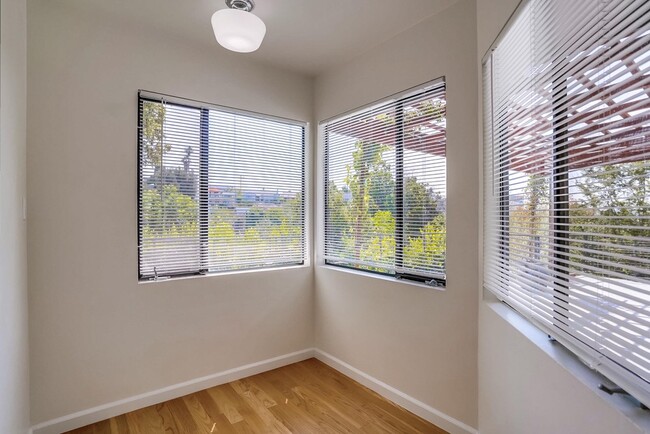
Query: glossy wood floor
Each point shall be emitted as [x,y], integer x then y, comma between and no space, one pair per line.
[306,397]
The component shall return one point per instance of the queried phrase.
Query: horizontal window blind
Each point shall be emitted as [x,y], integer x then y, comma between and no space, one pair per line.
[567,188]
[385,186]
[219,189]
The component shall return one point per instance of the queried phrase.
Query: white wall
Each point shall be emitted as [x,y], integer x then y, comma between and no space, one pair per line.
[98,335]
[14,362]
[522,387]
[419,340]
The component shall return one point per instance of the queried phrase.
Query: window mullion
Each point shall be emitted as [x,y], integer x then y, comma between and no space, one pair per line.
[139,160]
[303,192]
[204,164]
[504,198]
[326,195]
[500,171]
[399,187]
[560,202]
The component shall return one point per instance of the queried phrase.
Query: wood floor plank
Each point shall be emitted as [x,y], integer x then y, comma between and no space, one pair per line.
[274,393]
[120,425]
[392,422]
[334,379]
[167,420]
[343,399]
[242,415]
[295,405]
[290,417]
[261,395]
[317,401]
[284,384]
[103,427]
[182,416]
[220,422]
[325,412]
[228,403]
[145,420]
[289,409]
[303,398]
[89,429]
[202,419]
[258,405]
[134,423]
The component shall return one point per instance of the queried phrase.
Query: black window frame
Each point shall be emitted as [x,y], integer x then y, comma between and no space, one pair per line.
[399,195]
[203,185]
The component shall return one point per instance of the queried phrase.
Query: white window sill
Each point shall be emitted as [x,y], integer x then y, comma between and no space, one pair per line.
[385,278]
[570,362]
[227,273]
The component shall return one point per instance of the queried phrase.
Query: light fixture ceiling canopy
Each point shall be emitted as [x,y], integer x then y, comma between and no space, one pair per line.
[236,28]
[242,5]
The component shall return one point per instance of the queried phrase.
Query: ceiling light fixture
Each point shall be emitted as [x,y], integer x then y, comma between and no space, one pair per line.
[236,28]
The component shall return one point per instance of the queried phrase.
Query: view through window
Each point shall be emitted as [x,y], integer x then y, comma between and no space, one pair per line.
[219,189]
[385,186]
[567,199]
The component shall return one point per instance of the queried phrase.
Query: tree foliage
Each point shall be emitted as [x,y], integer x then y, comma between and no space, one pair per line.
[168,212]
[612,215]
[243,231]
[421,205]
[367,164]
[609,213]
[428,249]
[361,215]
[153,143]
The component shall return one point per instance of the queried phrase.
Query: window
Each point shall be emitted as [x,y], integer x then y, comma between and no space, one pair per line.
[385,186]
[567,179]
[219,189]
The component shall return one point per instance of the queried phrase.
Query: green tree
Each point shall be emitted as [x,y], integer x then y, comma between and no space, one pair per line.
[338,218]
[381,189]
[361,219]
[433,110]
[427,250]
[153,143]
[380,248]
[367,161]
[421,205]
[221,236]
[167,212]
[253,246]
[169,197]
[183,177]
[293,210]
[535,215]
[613,209]
[255,216]
[619,191]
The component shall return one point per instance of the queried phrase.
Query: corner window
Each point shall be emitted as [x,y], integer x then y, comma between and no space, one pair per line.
[385,186]
[567,169]
[219,190]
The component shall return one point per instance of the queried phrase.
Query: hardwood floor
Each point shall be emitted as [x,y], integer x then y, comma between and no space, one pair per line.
[306,397]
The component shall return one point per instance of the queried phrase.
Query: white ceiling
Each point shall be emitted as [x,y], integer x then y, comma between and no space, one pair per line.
[308,36]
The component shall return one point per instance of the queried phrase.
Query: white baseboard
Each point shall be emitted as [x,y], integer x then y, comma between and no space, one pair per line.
[106,411]
[423,410]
